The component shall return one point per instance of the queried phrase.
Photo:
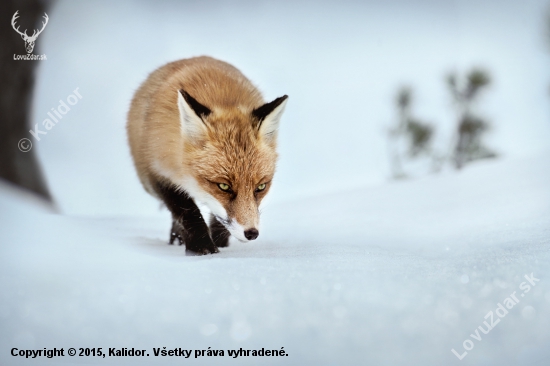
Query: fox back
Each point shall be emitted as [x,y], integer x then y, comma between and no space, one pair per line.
[200,126]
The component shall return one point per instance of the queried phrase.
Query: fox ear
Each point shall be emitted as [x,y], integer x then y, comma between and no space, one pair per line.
[192,115]
[268,117]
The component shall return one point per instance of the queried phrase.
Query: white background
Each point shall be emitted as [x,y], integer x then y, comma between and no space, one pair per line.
[341,63]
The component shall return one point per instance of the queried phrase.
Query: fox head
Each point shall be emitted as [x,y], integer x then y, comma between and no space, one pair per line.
[231,155]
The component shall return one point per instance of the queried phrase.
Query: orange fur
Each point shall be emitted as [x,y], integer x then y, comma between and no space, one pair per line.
[232,151]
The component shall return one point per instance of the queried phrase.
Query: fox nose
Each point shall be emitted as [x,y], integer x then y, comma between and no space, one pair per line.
[251,234]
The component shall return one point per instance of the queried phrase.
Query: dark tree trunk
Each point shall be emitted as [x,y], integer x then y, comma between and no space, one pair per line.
[17,84]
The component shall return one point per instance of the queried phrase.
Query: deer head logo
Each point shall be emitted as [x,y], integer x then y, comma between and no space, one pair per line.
[29,41]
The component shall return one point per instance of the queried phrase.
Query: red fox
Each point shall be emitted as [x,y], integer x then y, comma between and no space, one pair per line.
[201,134]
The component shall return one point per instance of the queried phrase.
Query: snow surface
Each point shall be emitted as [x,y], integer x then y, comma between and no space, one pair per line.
[390,275]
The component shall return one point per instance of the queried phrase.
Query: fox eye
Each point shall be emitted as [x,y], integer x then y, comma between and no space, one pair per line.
[260,188]
[224,187]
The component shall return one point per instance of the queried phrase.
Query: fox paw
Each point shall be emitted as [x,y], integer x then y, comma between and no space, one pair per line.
[200,245]
[200,249]
[177,233]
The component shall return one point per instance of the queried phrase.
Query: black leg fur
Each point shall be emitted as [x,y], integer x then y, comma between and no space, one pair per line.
[188,225]
[220,235]
[177,233]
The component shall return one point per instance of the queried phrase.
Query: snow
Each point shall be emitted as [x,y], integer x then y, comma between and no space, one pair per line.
[389,275]
[349,269]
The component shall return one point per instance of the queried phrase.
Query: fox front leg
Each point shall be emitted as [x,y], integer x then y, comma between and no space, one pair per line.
[188,223]
[220,235]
